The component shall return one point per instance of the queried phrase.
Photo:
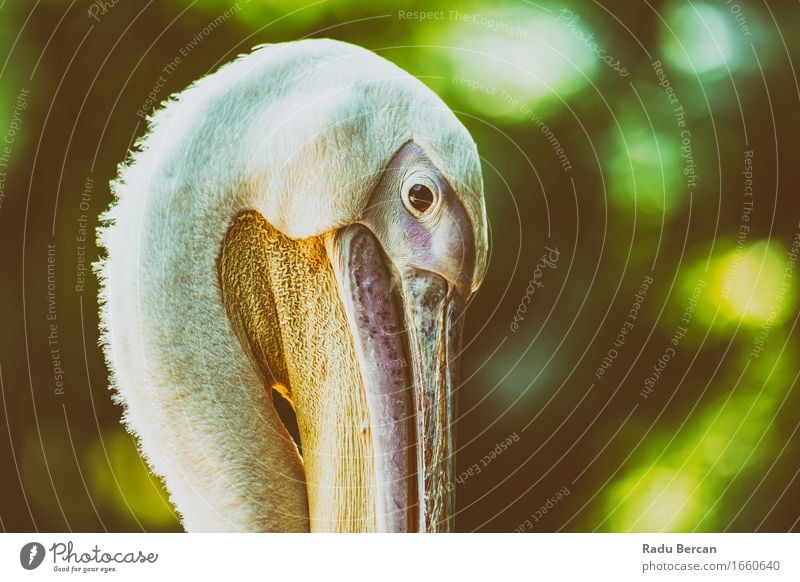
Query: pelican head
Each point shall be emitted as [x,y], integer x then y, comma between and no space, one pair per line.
[306,223]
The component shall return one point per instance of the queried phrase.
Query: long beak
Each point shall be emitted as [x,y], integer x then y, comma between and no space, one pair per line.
[406,337]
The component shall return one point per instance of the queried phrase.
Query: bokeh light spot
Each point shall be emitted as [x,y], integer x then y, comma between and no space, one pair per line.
[655,499]
[750,284]
[507,75]
[699,37]
[644,171]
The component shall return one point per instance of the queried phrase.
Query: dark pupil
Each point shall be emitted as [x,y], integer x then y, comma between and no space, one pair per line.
[420,197]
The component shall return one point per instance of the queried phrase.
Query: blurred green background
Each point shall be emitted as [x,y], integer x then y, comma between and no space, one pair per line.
[647,369]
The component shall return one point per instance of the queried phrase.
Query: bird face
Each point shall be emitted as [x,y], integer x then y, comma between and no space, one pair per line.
[420,222]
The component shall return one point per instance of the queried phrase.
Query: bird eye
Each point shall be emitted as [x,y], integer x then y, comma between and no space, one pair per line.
[420,195]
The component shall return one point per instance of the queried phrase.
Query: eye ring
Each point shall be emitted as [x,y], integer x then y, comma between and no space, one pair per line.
[420,195]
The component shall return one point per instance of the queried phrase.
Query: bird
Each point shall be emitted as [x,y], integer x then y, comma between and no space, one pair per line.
[305,226]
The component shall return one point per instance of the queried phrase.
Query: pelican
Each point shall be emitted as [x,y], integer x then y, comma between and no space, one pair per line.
[305,223]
